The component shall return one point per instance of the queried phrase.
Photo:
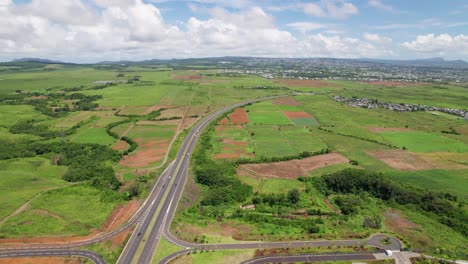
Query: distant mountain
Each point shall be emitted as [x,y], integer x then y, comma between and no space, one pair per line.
[38,60]
[432,62]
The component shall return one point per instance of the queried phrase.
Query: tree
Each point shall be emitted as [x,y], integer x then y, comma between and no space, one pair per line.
[293,196]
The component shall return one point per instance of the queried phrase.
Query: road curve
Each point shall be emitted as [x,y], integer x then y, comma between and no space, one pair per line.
[177,175]
[309,258]
[94,257]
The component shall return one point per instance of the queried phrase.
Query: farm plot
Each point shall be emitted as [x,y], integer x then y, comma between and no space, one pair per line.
[95,132]
[301,118]
[401,160]
[266,113]
[153,143]
[425,142]
[294,168]
[280,141]
[231,142]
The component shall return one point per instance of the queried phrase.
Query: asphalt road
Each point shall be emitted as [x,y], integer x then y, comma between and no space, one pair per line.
[178,171]
[57,253]
[156,214]
[309,258]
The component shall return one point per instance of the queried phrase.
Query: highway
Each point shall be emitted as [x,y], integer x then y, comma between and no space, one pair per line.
[155,215]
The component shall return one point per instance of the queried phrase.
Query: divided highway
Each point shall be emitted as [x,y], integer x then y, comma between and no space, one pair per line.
[154,217]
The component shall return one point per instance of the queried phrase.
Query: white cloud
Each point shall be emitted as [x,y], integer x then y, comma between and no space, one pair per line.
[378,4]
[133,29]
[338,9]
[376,38]
[443,44]
[305,27]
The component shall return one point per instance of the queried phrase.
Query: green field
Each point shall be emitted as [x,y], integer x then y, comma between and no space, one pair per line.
[425,142]
[266,113]
[22,179]
[73,210]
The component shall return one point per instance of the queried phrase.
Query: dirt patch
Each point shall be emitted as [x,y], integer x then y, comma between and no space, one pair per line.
[41,260]
[187,77]
[300,114]
[294,168]
[239,117]
[387,129]
[401,159]
[150,152]
[224,121]
[120,146]
[395,222]
[394,83]
[304,83]
[119,216]
[286,101]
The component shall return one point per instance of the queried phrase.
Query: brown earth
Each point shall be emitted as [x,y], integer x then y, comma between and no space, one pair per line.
[149,152]
[187,77]
[395,222]
[224,121]
[394,83]
[41,260]
[401,159]
[294,168]
[387,129]
[119,216]
[300,114]
[286,101]
[120,145]
[239,117]
[304,83]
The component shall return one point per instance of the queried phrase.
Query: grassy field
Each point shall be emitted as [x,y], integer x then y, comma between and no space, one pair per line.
[425,142]
[164,249]
[266,113]
[217,257]
[22,179]
[10,114]
[74,210]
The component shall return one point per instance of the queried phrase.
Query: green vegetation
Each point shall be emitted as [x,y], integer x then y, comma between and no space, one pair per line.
[22,179]
[266,113]
[164,249]
[425,142]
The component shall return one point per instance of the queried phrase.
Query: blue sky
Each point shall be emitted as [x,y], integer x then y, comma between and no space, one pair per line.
[93,30]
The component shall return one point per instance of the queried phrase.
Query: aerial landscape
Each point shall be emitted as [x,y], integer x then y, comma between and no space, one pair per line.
[209,131]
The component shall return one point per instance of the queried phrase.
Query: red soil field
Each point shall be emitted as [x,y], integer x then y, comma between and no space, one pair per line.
[304,83]
[294,168]
[239,117]
[401,159]
[224,121]
[121,145]
[297,114]
[286,101]
[149,152]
